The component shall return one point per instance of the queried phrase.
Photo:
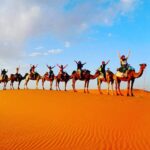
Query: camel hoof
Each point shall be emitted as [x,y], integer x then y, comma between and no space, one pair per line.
[132,94]
[128,95]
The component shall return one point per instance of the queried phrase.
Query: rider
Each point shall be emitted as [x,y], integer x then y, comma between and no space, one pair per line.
[123,62]
[79,67]
[4,73]
[102,68]
[51,73]
[61,71]
[17,72]
[32,70]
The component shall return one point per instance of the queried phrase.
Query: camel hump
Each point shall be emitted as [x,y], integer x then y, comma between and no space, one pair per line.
[46,73]
[11,75]
[109,72]
[86,71]
[74,72]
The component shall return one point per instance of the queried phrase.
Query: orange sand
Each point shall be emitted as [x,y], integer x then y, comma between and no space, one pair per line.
[50,120]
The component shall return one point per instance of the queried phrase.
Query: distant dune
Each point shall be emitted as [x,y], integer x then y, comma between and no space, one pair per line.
[51,120]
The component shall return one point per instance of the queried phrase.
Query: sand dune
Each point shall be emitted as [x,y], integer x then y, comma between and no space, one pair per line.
[50,120]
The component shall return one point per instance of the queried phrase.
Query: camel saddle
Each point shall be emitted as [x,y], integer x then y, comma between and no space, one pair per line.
[33,76]
[101,76]
[121,74]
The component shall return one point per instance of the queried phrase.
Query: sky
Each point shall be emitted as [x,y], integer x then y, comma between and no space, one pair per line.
[61,31]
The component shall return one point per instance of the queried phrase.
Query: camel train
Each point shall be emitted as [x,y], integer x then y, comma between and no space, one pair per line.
[124,73]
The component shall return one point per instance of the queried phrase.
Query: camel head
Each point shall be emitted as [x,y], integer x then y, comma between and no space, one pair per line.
[143,66]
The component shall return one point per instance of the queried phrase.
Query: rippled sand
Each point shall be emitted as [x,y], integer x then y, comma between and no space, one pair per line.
[50,120]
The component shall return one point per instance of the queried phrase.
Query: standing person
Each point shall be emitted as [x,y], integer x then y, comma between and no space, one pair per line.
[51,73]
[124,62]
[61,69]
[102,68]
[79,67]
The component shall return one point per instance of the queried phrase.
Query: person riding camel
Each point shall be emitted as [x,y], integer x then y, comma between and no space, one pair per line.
[32,70]
[102,68]
[17,72]
[79,67]
[3,74]
[51,73]
[61,71]
[124,63]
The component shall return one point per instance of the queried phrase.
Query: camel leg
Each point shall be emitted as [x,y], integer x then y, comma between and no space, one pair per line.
[43,80]
[19,84]
[58,86]
[5,84]
[99,86]
[128,87]
[51,83]
[112,88]
[87,86]
[108,88]
[26,84]
[11,85]
[37,81]
[132,83]
[73,85]
[119,88]
[65,86]
[116,87]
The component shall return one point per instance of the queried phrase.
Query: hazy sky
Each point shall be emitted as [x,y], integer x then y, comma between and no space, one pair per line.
[61,31]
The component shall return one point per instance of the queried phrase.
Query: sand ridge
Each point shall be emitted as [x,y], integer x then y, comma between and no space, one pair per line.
[51,120]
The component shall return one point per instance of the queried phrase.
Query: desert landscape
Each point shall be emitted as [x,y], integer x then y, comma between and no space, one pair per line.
[52,120]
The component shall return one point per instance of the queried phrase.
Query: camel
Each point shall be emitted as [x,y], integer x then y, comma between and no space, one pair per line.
[29,76]
[86,77]
[62,78]
[131,76]
[18,78]
[47,78]
[109,79]
[4,78]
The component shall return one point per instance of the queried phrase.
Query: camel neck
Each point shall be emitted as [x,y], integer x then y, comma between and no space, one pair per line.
[94,76]
[138,74]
